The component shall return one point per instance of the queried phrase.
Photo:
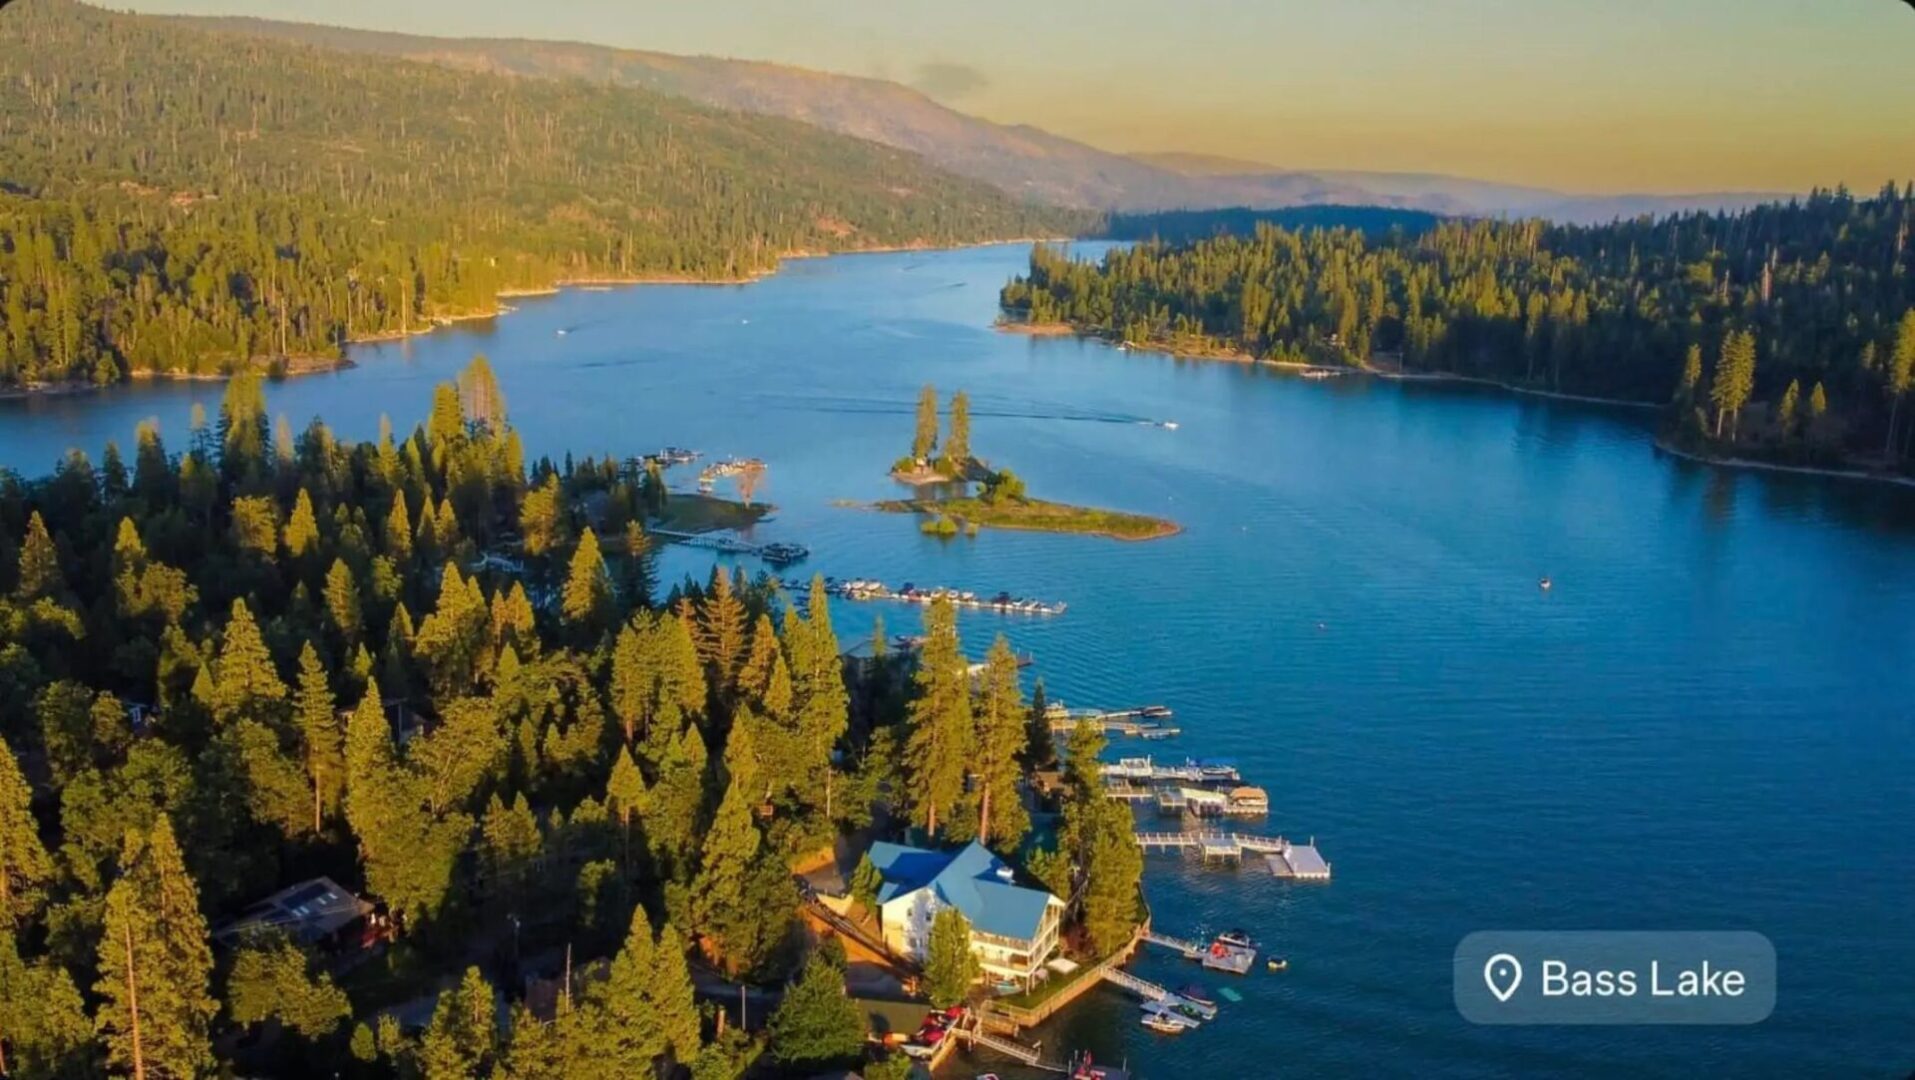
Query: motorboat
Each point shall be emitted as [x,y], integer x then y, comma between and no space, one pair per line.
[1278,963]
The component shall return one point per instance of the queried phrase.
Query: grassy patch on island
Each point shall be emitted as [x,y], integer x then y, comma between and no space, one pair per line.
[1040,515]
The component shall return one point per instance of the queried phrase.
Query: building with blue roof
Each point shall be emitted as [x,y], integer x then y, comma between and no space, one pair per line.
[1013,928]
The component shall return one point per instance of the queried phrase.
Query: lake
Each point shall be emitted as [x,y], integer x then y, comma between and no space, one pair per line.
[1705,724]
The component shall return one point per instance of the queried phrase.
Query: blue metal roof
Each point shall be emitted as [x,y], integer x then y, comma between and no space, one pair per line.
[970,879]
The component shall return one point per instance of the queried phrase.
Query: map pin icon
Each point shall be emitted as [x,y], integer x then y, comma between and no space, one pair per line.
[1503,974]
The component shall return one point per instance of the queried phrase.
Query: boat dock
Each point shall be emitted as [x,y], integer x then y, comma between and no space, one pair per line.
[1299,862]
[1144,722]
[778,553]
[1192,771]
[1003,603]
[1150,991]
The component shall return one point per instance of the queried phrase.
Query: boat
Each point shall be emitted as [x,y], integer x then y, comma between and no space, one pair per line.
[1161,1024]
[1161,1017]
[1196,993]
[1278,963]
[1170,425]
[1238,938]
[1228,994]
[1543,584]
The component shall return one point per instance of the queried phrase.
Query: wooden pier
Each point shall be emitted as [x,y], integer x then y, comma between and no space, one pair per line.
[1150,991]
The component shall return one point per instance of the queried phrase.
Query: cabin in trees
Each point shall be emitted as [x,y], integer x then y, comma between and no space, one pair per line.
[1013,928]
[311,913]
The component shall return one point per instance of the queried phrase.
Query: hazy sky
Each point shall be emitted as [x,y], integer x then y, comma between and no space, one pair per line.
[1586,95]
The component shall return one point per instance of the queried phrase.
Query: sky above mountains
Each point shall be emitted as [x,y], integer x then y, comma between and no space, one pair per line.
[1638,96]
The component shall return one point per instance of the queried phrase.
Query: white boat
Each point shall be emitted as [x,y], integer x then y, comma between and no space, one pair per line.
[1170,425]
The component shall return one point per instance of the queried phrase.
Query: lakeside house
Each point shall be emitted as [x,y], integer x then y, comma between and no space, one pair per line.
[1013,928]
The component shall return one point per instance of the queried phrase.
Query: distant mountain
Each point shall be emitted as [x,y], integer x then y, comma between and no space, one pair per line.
[1023,160]
[1437,193]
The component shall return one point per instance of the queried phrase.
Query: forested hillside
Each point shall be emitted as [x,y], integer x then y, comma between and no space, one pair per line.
[177,200]
[1797,314]
[445,679]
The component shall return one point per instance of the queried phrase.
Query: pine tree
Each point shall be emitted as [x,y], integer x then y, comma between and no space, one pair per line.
[247,685]
[1691,375]
[1900,375]
[625,794]
[866,882]
[925,439]
[950,967]
[587,602]
[625,1033]
[342,603]
[1002,819]
[1113,868]
[399,531]
[316,714]
[44,1030]
[938,750]
[674,1008]
[25,869]
[1040,749]
[730,847]
[720,633]
[820,704]
[462,1041]
[39,576]
[761,654]
[957,448]
[672,816]
[817,1026]
[155,963]
[1734,379]
[302,529]
[1786,409]
[539,517]
[510,842]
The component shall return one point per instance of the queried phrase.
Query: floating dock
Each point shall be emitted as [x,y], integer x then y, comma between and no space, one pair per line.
[777,553]
[1143,722]
[1300,862]
[1003,603]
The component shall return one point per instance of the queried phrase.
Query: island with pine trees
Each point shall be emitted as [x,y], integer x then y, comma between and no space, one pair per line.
[1779,335]
[950,508]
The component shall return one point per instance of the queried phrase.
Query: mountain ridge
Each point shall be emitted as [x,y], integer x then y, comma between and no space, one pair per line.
[1019,158]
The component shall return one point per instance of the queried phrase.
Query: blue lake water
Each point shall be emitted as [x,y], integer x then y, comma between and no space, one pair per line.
[1708,723]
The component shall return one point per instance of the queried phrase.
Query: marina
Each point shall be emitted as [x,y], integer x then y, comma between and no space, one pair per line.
[861,589]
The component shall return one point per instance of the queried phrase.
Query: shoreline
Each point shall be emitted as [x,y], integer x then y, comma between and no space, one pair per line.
[1827,472]
[1056,329]
[68,388]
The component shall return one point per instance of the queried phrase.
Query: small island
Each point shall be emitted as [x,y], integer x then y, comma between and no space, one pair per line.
[1001,501]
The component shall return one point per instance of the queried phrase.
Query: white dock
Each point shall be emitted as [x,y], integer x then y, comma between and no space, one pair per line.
[1302,862]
